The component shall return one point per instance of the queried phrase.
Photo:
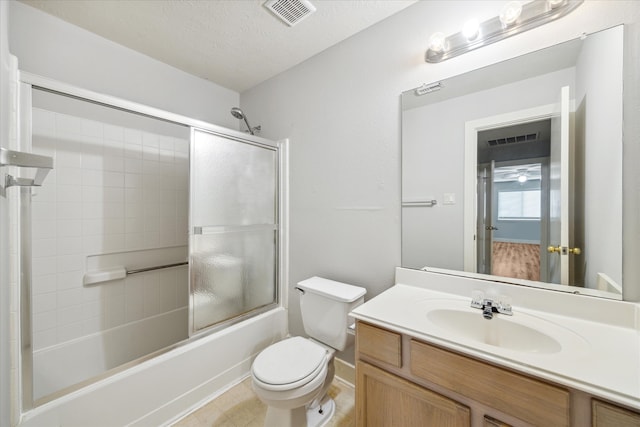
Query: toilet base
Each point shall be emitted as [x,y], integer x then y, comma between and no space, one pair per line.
[319,415]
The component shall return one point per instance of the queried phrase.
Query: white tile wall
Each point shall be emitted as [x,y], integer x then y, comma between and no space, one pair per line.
[112,189]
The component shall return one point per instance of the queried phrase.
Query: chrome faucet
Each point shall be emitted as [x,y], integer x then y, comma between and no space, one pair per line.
[488,306]
[487,309]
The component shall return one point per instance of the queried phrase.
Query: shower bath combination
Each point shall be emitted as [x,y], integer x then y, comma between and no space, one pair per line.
[239,114]
[233,275]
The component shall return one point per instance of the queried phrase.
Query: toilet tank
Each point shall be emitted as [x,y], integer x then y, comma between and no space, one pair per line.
[324,305]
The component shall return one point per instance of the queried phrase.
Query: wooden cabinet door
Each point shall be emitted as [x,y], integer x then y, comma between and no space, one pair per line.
[607,415]
[384,400]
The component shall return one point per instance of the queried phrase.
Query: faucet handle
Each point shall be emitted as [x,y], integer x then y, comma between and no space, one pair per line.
[503,304]
[477,299]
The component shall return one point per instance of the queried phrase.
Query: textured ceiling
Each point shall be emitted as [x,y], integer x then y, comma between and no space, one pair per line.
[235,43]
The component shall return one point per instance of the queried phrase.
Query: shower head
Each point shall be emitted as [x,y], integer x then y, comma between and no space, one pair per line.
[238,114]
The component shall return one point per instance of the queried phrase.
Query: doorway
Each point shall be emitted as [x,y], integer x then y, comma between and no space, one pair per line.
[512,200]
[510,218]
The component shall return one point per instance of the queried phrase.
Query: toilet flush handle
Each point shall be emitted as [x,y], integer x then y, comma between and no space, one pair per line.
[300,289]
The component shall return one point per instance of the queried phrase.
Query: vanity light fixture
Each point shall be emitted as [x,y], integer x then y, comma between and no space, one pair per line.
[515,18]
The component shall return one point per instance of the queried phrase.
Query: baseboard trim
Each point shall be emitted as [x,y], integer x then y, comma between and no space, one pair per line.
[345,371]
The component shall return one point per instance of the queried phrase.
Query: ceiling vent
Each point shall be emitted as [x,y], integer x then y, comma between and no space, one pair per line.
[290,12]
[530,137]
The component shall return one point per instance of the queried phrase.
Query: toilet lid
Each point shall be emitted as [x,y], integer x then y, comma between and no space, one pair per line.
[288,361]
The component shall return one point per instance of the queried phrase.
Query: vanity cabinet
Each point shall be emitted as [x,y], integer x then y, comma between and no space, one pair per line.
[402,381]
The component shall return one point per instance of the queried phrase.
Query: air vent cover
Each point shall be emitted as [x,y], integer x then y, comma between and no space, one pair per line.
[530,137]
[290,11]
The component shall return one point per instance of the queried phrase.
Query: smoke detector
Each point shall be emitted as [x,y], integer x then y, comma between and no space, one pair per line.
[290,12]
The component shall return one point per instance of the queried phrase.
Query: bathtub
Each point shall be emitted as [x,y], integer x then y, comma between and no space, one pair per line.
[75,361]
[163,389]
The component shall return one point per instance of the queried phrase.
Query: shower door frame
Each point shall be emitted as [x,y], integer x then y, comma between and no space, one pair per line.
[22,329]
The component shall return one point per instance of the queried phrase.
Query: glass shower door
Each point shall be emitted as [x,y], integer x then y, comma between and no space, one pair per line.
[233,228]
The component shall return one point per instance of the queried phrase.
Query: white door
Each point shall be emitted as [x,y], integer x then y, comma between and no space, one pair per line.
[559,192]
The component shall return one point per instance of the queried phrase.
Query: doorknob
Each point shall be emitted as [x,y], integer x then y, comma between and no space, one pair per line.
[560,249]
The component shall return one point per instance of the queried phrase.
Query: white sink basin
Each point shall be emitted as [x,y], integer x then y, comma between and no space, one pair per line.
[454,319]
[499,331]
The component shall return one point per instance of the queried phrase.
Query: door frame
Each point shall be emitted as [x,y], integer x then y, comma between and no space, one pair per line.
[471,130]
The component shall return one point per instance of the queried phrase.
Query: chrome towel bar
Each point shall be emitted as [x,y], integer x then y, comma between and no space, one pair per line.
[158,267]
[422,203]
[120,272]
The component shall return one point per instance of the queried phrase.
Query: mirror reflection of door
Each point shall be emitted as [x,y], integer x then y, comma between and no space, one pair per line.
[512,200]
[485,217]
[563,254]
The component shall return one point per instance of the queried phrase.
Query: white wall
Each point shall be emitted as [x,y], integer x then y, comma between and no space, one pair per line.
[341,111]
[50,47]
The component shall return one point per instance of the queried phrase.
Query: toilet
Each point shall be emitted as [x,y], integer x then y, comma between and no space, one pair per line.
[292,376]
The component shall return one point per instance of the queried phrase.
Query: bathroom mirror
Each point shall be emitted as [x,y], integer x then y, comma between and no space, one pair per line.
[515,170]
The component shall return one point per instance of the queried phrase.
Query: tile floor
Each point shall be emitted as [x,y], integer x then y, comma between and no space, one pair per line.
[240,407]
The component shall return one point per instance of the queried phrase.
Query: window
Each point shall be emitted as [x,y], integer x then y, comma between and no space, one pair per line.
[519,204]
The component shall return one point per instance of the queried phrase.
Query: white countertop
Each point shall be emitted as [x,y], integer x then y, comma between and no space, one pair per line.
[599,357]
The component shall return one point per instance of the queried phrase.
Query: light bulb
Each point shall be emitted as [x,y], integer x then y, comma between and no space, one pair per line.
[510,13]
[522,178]
[471,29]
[554,3]
[437,42]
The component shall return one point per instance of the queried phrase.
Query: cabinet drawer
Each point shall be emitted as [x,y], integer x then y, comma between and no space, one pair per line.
[530,400]
[607,415]
[380,344]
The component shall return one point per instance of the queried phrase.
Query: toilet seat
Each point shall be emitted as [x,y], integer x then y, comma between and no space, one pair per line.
[289,364]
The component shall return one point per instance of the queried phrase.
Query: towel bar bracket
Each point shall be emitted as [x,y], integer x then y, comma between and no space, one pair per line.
[11,181]
[43,165]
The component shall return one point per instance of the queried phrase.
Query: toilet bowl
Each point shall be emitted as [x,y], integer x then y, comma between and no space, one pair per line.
[292,376]
[289,376]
